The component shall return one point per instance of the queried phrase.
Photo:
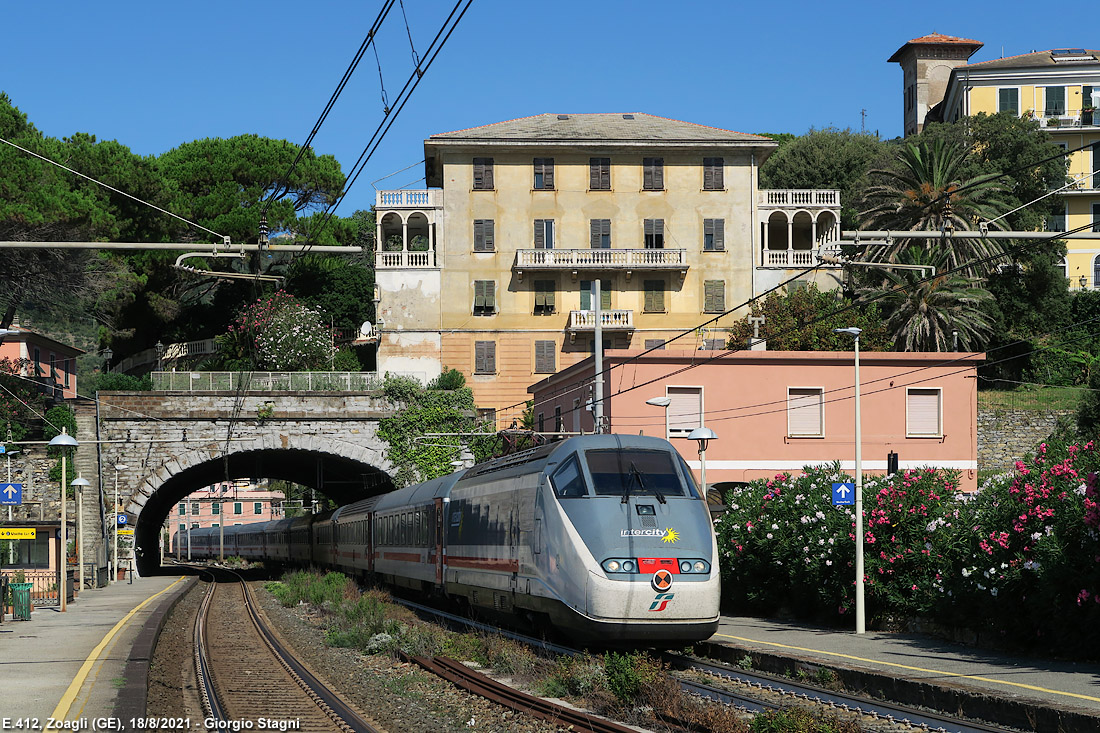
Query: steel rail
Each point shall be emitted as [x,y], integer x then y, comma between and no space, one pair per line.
[819,695]
[499,693]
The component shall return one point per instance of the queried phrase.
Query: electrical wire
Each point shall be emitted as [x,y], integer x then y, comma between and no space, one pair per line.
[112,188]
[283,182]
[383,127]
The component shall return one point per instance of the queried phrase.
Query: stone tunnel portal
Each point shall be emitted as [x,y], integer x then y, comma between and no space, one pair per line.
[342,479]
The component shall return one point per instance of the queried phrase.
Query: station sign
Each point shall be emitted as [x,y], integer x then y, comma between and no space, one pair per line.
[17,533]
[126,531]
[11,494]
[844,494]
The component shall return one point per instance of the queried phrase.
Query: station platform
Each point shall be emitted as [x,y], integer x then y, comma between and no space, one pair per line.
[1028,693]
[73,666]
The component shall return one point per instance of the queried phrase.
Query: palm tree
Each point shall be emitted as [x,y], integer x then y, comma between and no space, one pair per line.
[926,193]
[926,313]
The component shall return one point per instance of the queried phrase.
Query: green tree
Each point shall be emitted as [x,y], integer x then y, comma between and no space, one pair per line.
[925,313]
[340,287]
[828,158]
[804,319]
[925,191]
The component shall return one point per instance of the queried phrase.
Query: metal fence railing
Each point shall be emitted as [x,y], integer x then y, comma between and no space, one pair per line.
[43,585]
[188,381]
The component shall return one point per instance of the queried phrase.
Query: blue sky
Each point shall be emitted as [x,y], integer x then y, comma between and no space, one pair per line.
[153,75]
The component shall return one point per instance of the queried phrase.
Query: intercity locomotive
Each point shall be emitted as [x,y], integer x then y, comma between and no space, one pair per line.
[606,537]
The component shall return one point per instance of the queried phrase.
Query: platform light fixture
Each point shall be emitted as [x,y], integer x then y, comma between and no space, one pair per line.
[861,626]
[64,441]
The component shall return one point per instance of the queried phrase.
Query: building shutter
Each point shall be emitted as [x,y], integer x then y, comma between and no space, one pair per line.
[922,412]
[714,296]
[540,233]
[586,295]
[600,233]
[599,174]
[484,235]
[1055,101]
[551,296]
[804,405]
[655,344]
[712,173]
[714,234]
[685,410]
[485,357]
[483,174]
[654,296]
[545,351]
[653,174]
[548,172]
[647,174]
[593,173]
[1008,100]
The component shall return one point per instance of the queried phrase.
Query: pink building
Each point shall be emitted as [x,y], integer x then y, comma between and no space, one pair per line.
[778,411]
[49,362]
[226,503]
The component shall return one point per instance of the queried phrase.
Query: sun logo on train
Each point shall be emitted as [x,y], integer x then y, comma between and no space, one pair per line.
[670,536]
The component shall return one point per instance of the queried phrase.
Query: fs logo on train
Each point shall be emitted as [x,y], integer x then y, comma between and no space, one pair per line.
[660,601]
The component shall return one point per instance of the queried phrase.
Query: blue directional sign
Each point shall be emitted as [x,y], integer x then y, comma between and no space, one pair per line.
[121,519]
[11,494]
[844,494]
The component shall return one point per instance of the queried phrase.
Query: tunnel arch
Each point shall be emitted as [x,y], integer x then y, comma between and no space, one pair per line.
[339,470]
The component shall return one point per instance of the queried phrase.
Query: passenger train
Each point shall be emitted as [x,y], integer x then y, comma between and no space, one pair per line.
[605,536]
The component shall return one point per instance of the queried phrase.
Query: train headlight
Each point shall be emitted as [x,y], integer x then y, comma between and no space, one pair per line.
[693,565]
[620,565]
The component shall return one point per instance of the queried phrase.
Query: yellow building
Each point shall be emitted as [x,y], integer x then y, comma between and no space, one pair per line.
[1061,89]
[491,270]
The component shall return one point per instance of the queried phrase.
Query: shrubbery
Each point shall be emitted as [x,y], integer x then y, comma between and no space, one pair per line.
[1021,557]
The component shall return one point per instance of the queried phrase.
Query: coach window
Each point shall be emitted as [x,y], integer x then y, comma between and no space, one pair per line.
[568,481]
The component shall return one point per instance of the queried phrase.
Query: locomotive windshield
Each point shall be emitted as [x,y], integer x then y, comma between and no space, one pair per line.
[625,472]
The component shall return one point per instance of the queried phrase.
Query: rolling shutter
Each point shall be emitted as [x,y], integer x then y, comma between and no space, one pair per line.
[804,411]
[922,411]
[685,411]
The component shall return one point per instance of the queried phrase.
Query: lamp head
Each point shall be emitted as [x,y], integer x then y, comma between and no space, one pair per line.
[121,467]
[659,401]
[851,331]
[703,436]
[63,440]
[80,482]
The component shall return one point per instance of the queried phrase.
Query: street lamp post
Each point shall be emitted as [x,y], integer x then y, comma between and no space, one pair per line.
[702,436]
[160,356]
[78,485]
[861,626]
[107,355]
[64,441]
[114,570]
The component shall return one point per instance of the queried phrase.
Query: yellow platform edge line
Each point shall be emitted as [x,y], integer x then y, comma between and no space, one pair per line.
[916,669]
[67,699]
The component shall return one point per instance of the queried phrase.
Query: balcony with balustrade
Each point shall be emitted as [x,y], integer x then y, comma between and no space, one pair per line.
[600,260]
[584,321]
[796,225]
[406,234]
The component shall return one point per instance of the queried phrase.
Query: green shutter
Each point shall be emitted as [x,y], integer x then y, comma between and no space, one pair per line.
[605,295]
[714,296]
[586,295]
[654,296]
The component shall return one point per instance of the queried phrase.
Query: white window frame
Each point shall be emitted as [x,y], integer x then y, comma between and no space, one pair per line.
[939,413]
[821,411]
[682,432]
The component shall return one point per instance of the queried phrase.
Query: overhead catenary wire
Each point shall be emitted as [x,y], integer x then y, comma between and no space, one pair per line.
[367,42]
[431,53]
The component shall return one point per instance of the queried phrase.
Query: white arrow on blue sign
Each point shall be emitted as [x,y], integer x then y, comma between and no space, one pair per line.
[11,494]
[121,520]
[844,494]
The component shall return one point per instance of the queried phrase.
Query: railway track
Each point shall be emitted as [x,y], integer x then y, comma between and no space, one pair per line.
[246,676]
[757,692]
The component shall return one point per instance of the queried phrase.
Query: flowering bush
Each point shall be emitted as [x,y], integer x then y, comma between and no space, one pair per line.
[1032,549]
[1020,557]
[785,546]
[278,333]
